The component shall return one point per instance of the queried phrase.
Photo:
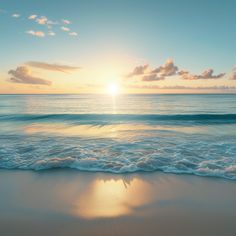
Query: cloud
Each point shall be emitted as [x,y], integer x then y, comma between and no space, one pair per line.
[65,28]
[73,34]
[32,17]
[42,20]
[51,33]
[168,69]
[222,87]
[138,70]
[15,15]
[50,22]
[52,67]
[23,75]
[152,77]
[207,74]
[184,74]
[50,25]
[180,87]
[36,33]
[66,22]
[233,74]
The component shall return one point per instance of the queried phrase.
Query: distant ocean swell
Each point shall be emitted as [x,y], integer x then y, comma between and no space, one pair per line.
[119,118]
[152,148]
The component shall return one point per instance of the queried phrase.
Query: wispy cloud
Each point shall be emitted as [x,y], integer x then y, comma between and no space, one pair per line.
[180,87]
[63,28]
[50,22]
[36,33]
[152,77]
[207,74]
[15,15]
[73,34]
[22,75]
[32,17]
[52,67]
[66,22]
[51,33]
[222,87]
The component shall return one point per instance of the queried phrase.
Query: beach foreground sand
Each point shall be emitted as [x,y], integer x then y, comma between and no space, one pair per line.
[69,202]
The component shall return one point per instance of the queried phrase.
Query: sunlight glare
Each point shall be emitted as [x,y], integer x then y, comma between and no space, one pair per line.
[112,89]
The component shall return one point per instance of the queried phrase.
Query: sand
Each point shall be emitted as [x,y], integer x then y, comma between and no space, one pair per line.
[70,202]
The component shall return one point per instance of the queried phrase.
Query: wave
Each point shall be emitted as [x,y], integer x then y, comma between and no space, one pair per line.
[116,167]
[170,152]
[119,118]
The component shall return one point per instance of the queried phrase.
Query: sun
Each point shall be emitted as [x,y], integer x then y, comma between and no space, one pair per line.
[112,89]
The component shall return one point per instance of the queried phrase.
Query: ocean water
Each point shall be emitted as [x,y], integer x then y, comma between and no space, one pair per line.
[190,134]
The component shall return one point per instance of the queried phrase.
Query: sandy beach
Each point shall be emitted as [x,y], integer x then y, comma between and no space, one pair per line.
[70,202]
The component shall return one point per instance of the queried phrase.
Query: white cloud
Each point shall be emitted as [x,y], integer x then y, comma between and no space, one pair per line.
[15,15]
[32,17]
[65,28]
[73,34]
[50,22]
[51,33]
[36,33]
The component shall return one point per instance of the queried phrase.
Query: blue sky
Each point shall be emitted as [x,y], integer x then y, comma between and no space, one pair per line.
[196,35]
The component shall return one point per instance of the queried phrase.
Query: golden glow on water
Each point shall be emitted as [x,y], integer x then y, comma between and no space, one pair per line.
[112,198]
[122,131]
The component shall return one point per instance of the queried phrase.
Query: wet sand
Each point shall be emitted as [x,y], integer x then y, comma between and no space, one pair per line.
[70,202]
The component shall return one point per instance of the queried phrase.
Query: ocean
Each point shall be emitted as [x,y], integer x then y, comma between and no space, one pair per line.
[184,134]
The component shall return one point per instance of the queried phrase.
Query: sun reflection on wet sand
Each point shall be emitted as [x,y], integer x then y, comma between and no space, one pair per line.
[112,198]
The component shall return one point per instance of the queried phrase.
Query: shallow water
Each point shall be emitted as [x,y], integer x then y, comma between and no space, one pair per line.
[194,134]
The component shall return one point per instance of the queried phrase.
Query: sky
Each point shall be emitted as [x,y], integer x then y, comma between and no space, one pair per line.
[125,46]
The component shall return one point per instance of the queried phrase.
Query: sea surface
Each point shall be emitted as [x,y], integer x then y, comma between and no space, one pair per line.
[189,134]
